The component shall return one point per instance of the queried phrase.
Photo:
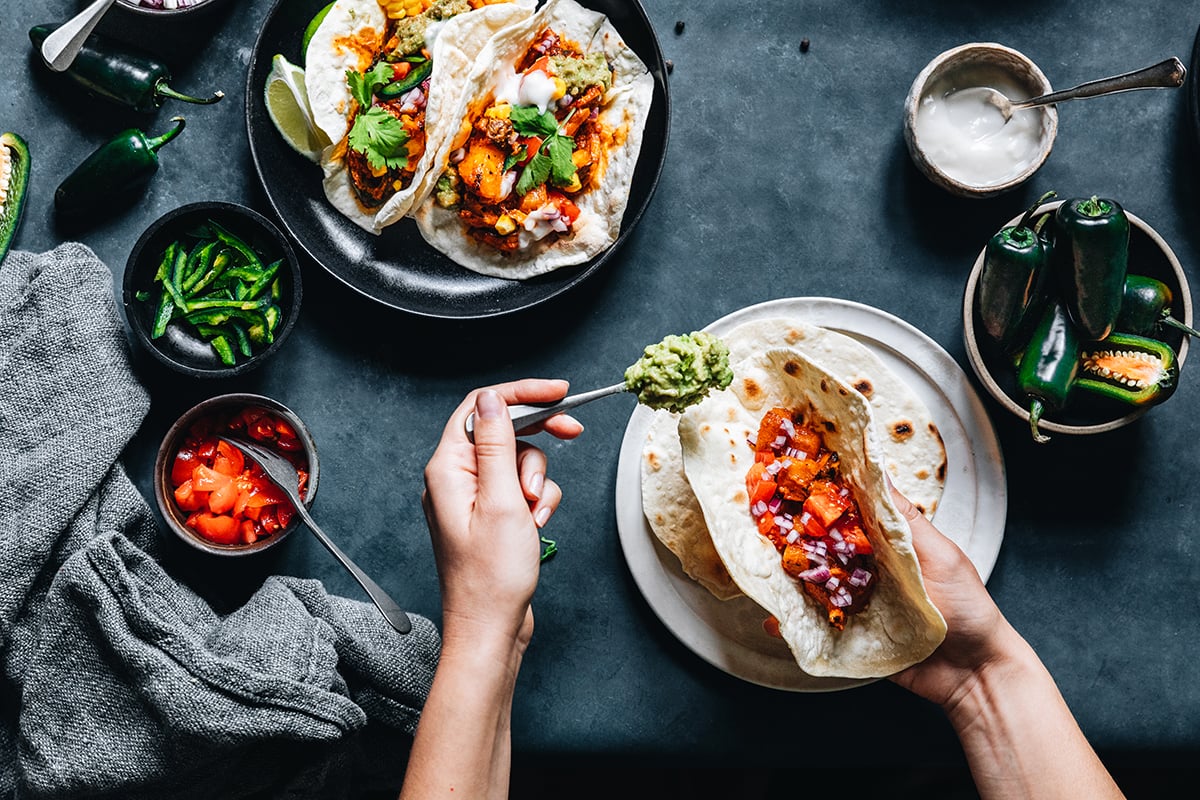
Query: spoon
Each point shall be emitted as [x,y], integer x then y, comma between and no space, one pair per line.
[525,416]
[283,475]
[1168,74]
[61,46]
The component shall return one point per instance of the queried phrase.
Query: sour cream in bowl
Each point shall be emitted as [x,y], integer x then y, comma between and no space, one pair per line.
[961,142]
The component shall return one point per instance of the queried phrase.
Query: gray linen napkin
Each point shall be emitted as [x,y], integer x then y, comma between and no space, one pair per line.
[117,680]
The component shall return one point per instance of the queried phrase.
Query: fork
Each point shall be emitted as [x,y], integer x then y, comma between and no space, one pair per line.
[281,473]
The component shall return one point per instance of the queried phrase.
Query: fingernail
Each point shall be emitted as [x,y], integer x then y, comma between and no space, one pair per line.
[535,484]
[489,405]
[542,516]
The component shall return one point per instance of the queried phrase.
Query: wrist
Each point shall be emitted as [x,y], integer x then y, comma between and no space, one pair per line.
[482,640]
[989,686]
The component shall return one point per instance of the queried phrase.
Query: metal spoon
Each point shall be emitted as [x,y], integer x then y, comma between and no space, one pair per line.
[1168,74]
[525,416]
[283,474]
[61,46]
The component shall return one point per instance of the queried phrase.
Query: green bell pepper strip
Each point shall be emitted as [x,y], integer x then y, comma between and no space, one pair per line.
[1012,283]
[409,82]
[167,269]
[163,314]
[237,244]
[242,337]
[1146,308]
[14,179]
[1133,369]
[121,166]
[199,263]
[224,351]
[1095,243]
[119,73]
[219,265]
[1047,369]
[238,305]
[175,278]
[260,286]
[220,316]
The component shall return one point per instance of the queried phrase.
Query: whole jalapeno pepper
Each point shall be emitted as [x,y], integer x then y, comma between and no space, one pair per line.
[1146,308]
[125,75]
[1047,369]
[1135,370]
[14,178]
[1012,282]
[120,167]
[1094,244]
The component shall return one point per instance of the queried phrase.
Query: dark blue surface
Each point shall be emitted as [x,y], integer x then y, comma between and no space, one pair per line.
[786,175]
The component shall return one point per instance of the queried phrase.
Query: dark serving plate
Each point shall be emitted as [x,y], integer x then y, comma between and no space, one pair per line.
[398,268]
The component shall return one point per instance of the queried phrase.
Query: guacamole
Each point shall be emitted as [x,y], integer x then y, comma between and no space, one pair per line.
[410,31]
[446,192]
[679,371]
[580,73]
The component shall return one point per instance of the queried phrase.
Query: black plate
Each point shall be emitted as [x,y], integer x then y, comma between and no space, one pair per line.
[398,268]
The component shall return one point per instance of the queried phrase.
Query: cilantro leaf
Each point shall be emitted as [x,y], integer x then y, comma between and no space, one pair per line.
[381,138]
[535,173]
[562,167]
[512,160]
[364,86]
[527,121]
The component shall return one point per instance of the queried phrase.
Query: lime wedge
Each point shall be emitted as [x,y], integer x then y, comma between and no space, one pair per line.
[312,28]
[287,105]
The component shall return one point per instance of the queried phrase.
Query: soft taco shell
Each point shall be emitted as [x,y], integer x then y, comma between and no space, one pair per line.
[349,38]
[602,203]
[912,448]
[901,626]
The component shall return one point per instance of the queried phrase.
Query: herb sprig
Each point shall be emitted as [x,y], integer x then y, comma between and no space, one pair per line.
[381,138]
[552,161]
[364,86]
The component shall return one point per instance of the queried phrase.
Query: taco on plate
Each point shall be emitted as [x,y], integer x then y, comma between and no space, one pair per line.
[911,445]
[788,470]
[383,79]
[537,172]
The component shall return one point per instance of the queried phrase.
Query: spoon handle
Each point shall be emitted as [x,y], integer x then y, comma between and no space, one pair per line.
[386,605]
[525,416]
[1168,74]
[62,45]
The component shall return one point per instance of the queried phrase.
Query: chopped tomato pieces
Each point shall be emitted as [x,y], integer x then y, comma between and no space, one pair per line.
[188,499]
[764,491]
[219,528]
[229,460]
[222,500]
[206,479]
[181,469]
[826,503]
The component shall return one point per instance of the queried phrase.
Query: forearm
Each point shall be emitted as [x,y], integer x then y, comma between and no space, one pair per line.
[1020,739]
[462,745]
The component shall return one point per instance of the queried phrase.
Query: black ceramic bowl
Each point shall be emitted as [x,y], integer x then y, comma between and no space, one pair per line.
[181,348]
[161,9]
[164,492]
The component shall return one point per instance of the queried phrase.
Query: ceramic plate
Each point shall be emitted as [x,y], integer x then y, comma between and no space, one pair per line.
[398,268]
[972,511]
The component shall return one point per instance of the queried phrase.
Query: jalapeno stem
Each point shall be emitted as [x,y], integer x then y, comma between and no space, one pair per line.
[1094,207]
[1035,414]
[159,141]
[1176,324]
[161,89]
[1032,212]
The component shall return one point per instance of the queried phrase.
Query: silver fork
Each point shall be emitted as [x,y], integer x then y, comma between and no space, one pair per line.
[284,475]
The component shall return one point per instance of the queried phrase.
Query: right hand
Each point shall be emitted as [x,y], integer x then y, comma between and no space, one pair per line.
[977,634]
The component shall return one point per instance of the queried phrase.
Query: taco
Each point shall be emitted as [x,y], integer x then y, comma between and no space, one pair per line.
[788,469]
[911,444]
[537,173]
[383,79]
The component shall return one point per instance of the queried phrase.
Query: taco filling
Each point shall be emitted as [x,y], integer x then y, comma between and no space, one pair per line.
[535,144]
[803,505]
[387,125]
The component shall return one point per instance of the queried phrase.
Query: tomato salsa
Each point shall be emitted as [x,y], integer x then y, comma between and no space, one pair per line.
[228,498]
[802,504]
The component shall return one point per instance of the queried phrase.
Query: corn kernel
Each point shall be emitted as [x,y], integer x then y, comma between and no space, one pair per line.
[560,88]
[581,158]
[397,185]
[505,225]
[574,185]
[499,111]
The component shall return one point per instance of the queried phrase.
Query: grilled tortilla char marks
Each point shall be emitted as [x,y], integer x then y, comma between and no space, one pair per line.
[805,509]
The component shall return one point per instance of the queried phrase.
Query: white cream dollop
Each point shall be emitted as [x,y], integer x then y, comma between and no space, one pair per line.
[531,89]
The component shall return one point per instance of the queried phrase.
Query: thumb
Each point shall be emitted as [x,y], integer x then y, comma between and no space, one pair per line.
[495,447]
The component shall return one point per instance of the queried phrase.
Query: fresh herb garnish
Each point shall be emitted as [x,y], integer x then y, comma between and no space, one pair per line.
[551,549]
[381,138]
[528,121]
[515,158]
[364,87]
[552,161]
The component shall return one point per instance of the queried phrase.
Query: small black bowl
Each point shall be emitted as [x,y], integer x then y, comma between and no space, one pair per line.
[181,348]
[191,7]
[173,441]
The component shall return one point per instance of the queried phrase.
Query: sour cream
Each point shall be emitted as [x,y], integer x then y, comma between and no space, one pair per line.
[532,89]
[968,139]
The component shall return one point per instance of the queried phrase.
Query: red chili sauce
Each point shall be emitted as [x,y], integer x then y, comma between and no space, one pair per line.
[807,510]
[228,498]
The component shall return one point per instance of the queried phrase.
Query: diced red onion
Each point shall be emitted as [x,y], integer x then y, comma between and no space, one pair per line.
[458,155]
[784,522]
[565,101]
[860,578]
[805,518]
[787,427]
[817,575]
[832,584]
[759,508]
[779,442]
[751,441]
[845,491]
[774,504]
[507,183]
[773,468]
[816,548]
[835,534]
[792,537]
[840,598]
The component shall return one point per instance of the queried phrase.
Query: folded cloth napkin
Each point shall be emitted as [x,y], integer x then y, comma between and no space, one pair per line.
[117,680]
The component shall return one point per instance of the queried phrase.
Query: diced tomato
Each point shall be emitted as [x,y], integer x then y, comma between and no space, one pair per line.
[765,523]
[284,430]
[771,627]
[206,479]
[268,520]
[221,529]
[542,64]
[253,512]
[569,210]
[181,469]
[207,450]
[813,527]
[303,483]
[265,493]
[825,503]
[247,531]
[764,492]
[229,460]
[764,456]
[754,476]
[853,533]
[284,513]
[400,69]
[222,500]
[288,445]
[188,499]
[262,429]
[531,143]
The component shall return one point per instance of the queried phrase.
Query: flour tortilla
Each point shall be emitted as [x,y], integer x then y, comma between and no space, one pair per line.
[601,203]
[900,626]
[911,445]
[456,42]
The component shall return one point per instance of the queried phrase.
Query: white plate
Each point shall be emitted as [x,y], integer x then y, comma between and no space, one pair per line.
[972,511]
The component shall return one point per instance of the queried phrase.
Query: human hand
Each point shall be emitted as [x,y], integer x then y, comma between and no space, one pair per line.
[484,503]
[977,633]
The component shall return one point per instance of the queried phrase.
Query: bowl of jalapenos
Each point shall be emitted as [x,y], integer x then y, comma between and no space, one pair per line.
[1077,317]
[212,289]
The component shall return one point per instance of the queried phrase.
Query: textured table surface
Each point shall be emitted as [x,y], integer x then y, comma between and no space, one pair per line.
[786,175]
